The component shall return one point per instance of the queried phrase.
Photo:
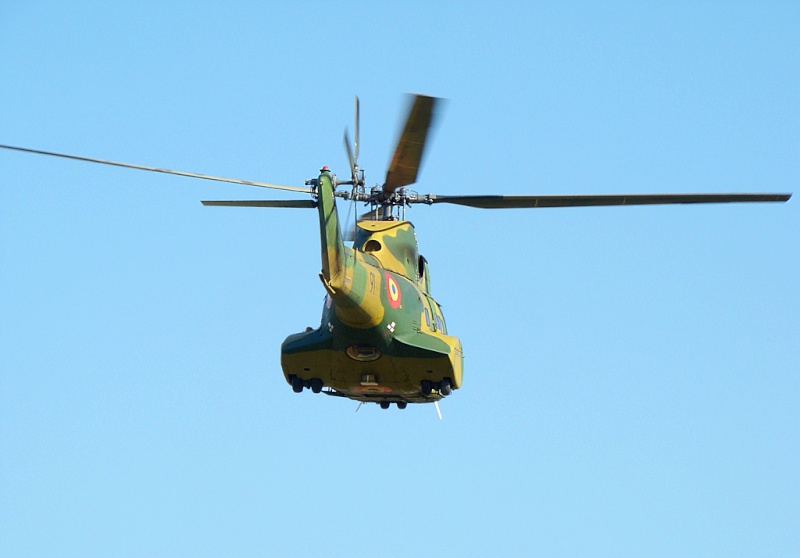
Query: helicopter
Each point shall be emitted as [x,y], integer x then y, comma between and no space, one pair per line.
[382,336]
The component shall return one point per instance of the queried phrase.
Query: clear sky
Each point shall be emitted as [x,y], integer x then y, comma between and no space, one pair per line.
[632,374]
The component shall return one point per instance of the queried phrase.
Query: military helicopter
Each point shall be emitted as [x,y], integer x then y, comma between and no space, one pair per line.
[382,337]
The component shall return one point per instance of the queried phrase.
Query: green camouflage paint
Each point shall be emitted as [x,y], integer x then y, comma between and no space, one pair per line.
[381,333]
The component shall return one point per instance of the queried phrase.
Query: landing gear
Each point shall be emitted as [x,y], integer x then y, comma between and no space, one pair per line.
[387,404]
[297,384]
[446,389]
[426,388]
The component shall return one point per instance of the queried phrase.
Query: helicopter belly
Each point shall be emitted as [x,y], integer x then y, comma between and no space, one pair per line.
[393,371]
[392,377]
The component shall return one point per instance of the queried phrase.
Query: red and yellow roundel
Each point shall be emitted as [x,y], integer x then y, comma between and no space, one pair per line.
[393,292]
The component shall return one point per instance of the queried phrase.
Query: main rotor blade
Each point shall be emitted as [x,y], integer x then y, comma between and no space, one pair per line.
[376,215]
[261,203]
[410,147]
[357,141]
[507,202]
[350,158]
[165,171]
[349,225]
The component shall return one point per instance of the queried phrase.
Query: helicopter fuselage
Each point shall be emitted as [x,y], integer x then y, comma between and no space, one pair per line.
[382,336]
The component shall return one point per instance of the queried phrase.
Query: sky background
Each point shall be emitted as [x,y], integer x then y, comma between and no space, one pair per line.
[631,374]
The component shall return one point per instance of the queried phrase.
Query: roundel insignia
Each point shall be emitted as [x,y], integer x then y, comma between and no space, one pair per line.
[393,292]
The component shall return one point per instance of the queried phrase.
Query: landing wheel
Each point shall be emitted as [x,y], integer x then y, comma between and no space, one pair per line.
[401,404]
[297,384]
[316,385]
[385,404]
[426,387]
[446,389]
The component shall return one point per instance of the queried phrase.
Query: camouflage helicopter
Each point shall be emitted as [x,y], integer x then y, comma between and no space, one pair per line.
[382,337]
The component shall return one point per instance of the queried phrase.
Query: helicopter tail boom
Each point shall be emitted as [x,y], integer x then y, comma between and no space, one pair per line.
[331,243]
[349,280]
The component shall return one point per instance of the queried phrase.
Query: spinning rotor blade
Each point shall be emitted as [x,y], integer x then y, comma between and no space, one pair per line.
[411,145]
[353,158]
[350,158]
[349,230]
[261,203]
[165,171]
[507,202]
[356,143]
[376,215]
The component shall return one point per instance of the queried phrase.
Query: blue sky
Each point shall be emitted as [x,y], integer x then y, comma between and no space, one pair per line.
[631,379]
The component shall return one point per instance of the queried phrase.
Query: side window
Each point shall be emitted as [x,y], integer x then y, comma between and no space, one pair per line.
[438,320]
[434,319]
[427,318]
